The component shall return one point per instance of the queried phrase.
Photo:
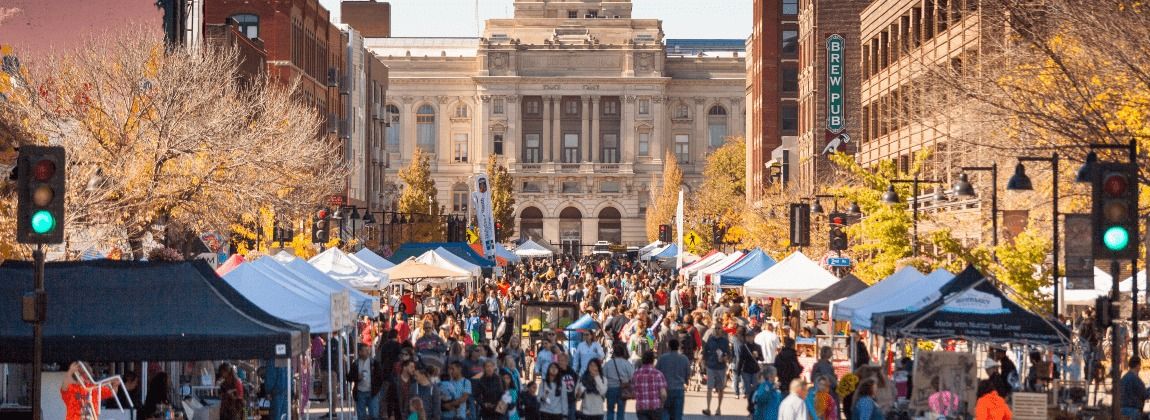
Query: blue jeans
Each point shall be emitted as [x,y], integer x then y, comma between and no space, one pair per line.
[1132,413]
[737,379]
[673,406]
[749,385]
[615,406]
[366,405]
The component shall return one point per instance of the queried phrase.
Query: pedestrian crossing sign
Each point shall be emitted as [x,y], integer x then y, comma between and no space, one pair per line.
[692,239]
[472,236]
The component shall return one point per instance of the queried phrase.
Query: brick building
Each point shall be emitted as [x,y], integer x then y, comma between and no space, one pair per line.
[253,58]
[772,90]
[829,71]
[371,18]
[300,43]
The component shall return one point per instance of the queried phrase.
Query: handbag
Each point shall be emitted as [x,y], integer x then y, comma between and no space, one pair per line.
[626,392]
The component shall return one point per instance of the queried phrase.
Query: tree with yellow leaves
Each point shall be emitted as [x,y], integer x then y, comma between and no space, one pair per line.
[155,132]
[502,198]
[419,197]
[662,210]
[720,200]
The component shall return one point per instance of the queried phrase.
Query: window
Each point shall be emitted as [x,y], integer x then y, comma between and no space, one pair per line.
[459,199]
[682,111]
[610,108]
[644,144]
[497,106]
[531,150]
[610,153]
[682,148]
[593,14]
[789,114]
[459,147]
[717,126]
[572,14]
[790,79]
[570,148]
[643,198]
[571,107]
[790,7]
[249,25]
[532,107]
[532,187]
[461,111]
[497,144]
[790,42]
[393,128]
[609,187]
[572,187]
[644,107]
[425,128]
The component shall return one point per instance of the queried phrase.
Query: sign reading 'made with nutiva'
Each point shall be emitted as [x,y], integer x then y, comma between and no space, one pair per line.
[836,116]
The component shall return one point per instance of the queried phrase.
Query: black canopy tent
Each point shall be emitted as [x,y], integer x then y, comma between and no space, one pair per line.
[125,311]
[970,307]
[843,288]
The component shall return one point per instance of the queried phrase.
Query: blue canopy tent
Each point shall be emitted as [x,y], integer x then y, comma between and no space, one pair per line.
[753,264]
[575,330]
[460,249]
[671,251]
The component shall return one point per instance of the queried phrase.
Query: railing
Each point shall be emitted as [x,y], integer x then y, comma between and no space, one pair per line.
[569,167]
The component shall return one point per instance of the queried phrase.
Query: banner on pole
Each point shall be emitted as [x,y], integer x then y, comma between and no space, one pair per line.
[484,215]
[679,231]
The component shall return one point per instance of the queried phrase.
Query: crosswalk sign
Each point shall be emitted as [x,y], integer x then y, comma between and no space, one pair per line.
[692,239]
[472,236]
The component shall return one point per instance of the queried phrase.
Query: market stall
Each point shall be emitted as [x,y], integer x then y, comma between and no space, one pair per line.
[694,267]
[795,277]
[349,270]
[442,259]
[844,288]
[415,273]
[364,304]
[372,259]
[754,263]
[230,264]
[531,249]
[458,249]
[703,276]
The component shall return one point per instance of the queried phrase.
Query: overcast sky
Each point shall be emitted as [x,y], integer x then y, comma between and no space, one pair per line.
[681,18]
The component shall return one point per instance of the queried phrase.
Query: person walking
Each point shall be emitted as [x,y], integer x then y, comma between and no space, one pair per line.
[587,350]
[768,342]
[569,379]
[865,406]
[676,369]
[767,397]
[1134,391]
[456,391]
[793,407]
[619,372]
[231,393]
[430,394]
[592,390]
[366,375]
[553,395]
[750,355]
[716,356]
[787,363]
[650,389]
[488,391]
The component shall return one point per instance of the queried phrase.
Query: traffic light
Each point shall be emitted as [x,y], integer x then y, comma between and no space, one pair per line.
[319,226]
[837,237]
[1103,312]
[800,222]
[1115,211]
[664,233]
[40,179]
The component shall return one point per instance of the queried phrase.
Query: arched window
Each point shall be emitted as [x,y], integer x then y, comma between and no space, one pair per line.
[425,128]
[461,111]
[571,231]
[393,128]
[249,24]
[610,227]
[717,126]
[531,224]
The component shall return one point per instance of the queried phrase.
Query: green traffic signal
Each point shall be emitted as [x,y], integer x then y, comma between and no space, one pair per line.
[1116,238]
[43,222]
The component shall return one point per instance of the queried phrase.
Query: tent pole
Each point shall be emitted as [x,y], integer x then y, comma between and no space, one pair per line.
[330,400]
[342,375]
[143,378]
[289,393]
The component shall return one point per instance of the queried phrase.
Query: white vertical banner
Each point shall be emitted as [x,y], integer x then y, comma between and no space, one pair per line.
[679,231]
[484,215]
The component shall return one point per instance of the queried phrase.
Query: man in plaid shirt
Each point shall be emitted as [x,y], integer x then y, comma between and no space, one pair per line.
[650,389]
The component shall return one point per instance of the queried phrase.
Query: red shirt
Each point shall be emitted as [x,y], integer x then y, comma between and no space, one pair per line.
[408,305]
[661,297]
[402,332]
[76,395]
[647,383]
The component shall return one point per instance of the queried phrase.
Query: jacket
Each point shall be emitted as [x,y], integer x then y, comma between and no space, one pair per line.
[594,403]
[991,407]
[377,375]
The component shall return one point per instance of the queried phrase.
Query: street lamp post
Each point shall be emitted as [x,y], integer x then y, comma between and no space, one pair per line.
[963,189]
[1021,182]
[891,197]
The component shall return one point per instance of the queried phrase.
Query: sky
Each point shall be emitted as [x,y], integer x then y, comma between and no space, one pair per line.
[681,18]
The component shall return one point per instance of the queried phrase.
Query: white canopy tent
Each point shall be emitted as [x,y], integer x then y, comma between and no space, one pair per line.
[531,249]
[910,297]
[1099,287]
[701,275]
[504,253]
[702,263]
[349,270]
[795,277]
[372,259]
[259,285]
[364,304]
[647,248]
[1125,285]
[440,258]
[857,304]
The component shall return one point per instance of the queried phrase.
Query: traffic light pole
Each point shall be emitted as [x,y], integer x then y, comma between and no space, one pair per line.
[38,331]
[1115,346]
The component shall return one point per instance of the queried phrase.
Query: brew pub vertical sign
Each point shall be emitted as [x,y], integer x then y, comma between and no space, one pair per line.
[836,135]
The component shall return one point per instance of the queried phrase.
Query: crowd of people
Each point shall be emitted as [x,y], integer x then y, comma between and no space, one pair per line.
[458,353]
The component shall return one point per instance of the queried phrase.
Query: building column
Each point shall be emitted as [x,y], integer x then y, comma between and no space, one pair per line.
[545,138]
[482,141]
[442,128]
[408,138]
[585,133]
[702,136]
[627,143]
[659,113]
[557,129]
[596,145]
[511,137]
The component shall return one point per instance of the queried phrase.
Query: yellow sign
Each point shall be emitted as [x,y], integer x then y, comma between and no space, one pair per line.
[692,239]
[472,236]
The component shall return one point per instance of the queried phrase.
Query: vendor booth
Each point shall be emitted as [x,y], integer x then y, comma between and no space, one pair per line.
[364,304]
[458,249]
[844,288]
[372,259]
[751,265]
[349,270]
[703,276]
[442,259]
[531,249]
[706,261]
[415,273]
[795,277]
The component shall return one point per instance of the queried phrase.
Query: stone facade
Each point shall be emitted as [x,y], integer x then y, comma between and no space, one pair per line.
[578,99]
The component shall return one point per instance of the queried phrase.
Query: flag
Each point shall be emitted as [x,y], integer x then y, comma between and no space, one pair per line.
[484,215]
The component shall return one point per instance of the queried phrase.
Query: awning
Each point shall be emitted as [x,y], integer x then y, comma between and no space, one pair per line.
[702,275]
[1100,286]
[363,303]
[123,310]
[459,249]
[845,287]
[229,265]
[531,249]
[413,272]
[970,307]
[442,259]
[702,263]
[858,307]
[669,251]
[753,264]
[349,270]
[795,277]
[268,290]
[372,259]
[500,258]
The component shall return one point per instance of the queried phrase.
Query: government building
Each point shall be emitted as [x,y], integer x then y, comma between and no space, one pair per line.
[578,99]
